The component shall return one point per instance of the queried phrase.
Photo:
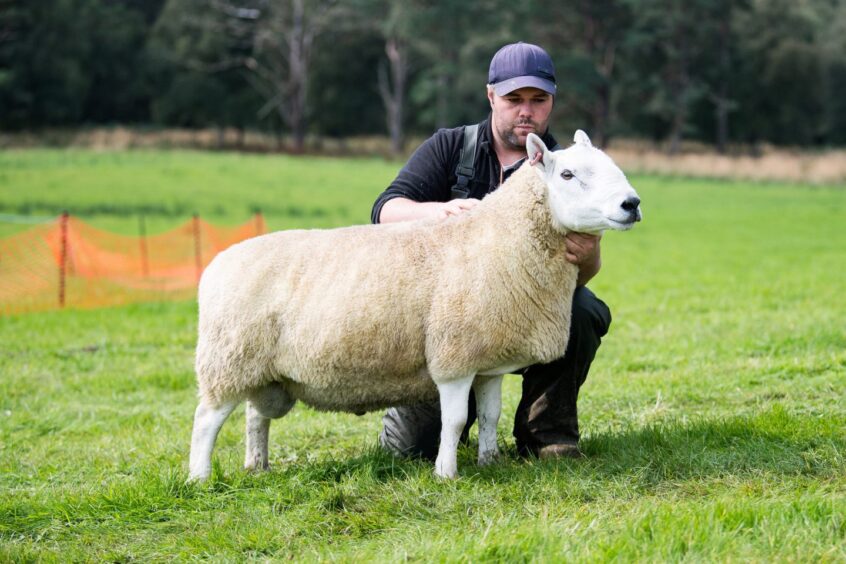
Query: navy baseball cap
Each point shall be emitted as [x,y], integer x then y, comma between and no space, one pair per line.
[520,65]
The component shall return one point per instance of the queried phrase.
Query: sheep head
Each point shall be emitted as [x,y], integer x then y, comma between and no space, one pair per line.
[587,192]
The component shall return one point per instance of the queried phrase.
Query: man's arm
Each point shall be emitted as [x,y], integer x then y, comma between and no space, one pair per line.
[425,181]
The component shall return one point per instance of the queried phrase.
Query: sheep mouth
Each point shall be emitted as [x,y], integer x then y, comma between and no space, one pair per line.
[623,225]
[633,217]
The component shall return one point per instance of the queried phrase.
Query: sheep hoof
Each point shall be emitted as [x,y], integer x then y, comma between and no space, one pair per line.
[446,471]
[256,468]
[197,478]
[447,476]
[256,465]
[490,457]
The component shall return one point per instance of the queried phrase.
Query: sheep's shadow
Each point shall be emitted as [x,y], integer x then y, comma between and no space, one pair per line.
[772,442]
[374,464]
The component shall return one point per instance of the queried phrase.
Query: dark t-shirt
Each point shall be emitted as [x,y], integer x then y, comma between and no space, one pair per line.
[429,174]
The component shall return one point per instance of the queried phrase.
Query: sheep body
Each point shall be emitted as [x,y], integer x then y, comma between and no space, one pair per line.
[365,317]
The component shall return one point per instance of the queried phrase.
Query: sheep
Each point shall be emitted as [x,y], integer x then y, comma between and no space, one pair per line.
[370,316]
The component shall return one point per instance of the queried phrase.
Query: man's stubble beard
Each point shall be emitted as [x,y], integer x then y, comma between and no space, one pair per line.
[511,140]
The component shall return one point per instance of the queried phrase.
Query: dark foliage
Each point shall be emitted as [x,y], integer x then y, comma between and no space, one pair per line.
[718,71]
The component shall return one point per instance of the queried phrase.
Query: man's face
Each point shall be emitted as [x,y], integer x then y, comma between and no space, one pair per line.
[519,113]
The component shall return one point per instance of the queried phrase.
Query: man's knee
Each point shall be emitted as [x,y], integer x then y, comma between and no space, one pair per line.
[589,313]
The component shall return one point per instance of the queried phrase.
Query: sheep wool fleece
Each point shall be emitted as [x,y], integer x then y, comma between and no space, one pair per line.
[366,317]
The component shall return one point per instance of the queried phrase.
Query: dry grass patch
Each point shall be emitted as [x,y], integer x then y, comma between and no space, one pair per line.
[758,163]
[768,163]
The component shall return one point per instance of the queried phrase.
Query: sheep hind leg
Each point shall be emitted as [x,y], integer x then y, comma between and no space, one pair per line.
[454,396]
[264,404]
[258,430]
[488,407]
[208,419]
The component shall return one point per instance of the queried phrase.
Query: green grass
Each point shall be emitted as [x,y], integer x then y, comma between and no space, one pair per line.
[714,417]
[111,189]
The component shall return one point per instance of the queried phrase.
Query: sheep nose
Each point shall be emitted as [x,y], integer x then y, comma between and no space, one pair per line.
[631,204]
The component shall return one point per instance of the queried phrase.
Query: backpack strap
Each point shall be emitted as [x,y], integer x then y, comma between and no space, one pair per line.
[466,169]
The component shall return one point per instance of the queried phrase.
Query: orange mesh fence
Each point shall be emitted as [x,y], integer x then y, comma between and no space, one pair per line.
[68,263]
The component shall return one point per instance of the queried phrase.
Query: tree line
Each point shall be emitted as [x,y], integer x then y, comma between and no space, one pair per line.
[717,71]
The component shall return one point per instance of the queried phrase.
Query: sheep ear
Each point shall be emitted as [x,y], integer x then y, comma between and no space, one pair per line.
[581,138]
[535,145]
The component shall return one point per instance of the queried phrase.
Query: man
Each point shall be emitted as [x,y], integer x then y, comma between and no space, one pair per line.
[521,89]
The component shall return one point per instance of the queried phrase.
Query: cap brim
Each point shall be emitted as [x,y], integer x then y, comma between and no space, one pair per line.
[512,84]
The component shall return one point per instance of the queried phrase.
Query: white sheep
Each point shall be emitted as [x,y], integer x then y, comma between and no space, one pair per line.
[371,316]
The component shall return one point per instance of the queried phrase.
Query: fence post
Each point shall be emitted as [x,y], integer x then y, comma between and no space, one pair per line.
[259,223]
[142,240]
[63,256]
[198,255]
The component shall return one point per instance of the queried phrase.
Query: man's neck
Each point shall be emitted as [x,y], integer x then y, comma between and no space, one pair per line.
[507,156]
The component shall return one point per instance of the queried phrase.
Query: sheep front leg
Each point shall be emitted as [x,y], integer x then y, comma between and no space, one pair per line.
[208,419]
[488,406]
[454,396]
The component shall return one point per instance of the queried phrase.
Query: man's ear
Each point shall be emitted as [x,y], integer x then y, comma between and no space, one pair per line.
[535,145]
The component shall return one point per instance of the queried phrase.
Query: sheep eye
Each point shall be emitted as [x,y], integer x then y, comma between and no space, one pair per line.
[567,175]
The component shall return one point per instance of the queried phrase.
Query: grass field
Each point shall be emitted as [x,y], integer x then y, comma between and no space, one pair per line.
[714,418]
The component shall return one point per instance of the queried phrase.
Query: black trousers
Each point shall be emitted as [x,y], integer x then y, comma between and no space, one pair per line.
[547,412]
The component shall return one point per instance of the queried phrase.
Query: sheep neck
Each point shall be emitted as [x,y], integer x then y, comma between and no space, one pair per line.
[519,213]
[517,257]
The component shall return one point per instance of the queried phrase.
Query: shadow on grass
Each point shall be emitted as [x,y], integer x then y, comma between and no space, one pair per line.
[773,442]
[374,465]
[357,495]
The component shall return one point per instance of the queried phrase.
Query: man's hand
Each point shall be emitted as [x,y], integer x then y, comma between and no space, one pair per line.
[456,207]
[403,209]
[581,247]
[583,251]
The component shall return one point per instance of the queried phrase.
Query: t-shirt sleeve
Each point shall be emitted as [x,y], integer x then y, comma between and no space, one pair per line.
[426,177]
